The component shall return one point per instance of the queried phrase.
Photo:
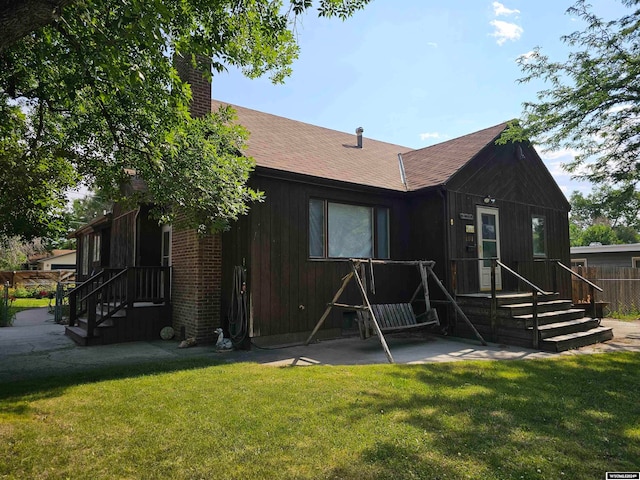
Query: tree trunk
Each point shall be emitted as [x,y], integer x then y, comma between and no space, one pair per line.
[18,18]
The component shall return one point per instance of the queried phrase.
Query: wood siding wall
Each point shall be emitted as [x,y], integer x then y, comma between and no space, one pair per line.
[288,291]
[123,237]
[522,187]
[85,245]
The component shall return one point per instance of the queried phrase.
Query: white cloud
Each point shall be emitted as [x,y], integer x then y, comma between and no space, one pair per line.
[429,135]
[500,9]
[567,154]
[432,44]
[506,31]
[555,169]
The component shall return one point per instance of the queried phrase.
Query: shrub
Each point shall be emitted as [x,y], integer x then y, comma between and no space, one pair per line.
[21,292]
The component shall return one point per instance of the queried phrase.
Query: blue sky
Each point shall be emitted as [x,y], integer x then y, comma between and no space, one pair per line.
[417,72]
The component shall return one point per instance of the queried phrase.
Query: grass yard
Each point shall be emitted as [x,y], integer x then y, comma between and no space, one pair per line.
[25,303]
[572,417]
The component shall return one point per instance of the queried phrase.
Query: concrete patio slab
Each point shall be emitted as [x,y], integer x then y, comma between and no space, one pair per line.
[37,346]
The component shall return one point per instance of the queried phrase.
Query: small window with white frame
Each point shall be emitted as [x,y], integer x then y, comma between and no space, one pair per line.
[635,262]
[578,262]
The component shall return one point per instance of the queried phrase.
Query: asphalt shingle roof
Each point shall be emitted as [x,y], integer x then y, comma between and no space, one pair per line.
[434,165]
[288,145]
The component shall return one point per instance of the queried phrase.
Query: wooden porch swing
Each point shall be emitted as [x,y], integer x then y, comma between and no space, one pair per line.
[396,317]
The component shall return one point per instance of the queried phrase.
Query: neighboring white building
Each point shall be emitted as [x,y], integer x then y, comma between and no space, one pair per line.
[625,255]
[59,260]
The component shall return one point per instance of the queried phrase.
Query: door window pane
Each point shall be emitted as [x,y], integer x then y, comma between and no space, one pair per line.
[489,250]
[488,226]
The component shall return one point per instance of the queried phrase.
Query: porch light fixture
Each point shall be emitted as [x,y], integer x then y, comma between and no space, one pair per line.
[489,200]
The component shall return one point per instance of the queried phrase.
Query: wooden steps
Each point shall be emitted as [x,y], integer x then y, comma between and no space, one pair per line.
[563,328]
[143,322]
[561,343]
[560,326]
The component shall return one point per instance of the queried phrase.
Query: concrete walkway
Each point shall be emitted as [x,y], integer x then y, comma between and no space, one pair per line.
[36,346]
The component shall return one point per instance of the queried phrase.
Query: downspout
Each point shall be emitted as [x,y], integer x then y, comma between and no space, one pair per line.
[403,175]
[135,237]
[447,234]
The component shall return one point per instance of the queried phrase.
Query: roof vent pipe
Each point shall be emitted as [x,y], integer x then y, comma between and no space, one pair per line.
[359,132]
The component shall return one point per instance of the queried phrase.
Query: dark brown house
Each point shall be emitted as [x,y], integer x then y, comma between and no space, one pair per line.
[463,199]
[331,196]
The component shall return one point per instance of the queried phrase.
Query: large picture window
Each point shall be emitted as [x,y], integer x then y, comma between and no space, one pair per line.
[539,236]
[340,230]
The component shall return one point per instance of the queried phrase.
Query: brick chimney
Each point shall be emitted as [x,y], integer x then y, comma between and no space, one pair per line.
[196,260]
[200,86]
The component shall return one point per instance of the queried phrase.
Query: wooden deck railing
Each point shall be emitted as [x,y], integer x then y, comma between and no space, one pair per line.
[112,290]
[535,291]
[495,263]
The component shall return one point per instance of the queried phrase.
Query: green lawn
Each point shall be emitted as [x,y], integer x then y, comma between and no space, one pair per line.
[571,417]
[26,303]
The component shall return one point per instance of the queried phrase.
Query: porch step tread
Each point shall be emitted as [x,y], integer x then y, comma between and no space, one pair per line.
[77,334]
[76,330]
[553,313]
[578,339]
[551,330]
[530,304]
[567,323]
[560,338]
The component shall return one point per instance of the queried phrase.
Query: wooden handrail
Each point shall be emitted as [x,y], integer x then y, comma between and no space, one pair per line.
[535,291]
[90,279]
[520,277]
[575,274]
[103,285]
[121,290]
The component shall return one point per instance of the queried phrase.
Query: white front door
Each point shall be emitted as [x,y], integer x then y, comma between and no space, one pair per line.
[488,245]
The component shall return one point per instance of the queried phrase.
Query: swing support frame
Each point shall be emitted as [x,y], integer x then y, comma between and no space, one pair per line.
[367,312]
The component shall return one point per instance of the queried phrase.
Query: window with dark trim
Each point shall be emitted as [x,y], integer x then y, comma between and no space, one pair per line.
[539,235]
[342,230]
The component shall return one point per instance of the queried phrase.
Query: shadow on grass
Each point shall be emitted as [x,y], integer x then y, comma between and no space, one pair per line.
[12,393]
[577,417]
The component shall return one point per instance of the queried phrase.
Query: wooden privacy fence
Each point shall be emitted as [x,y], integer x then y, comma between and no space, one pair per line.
[621,287]
[29,278]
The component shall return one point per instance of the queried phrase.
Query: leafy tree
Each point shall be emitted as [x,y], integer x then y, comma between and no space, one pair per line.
[592,103]
[603,234]
[626,234]
[95,93]
[85,209]
[14,252]
[574,234]
[616,207]
[32,184]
